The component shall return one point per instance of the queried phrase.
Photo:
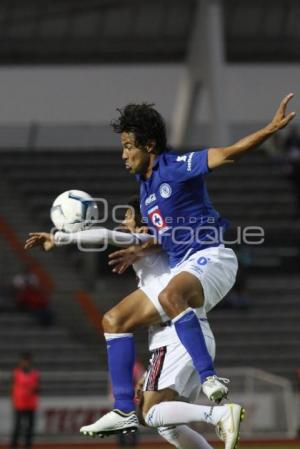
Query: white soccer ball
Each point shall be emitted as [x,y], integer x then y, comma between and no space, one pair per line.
[73,211]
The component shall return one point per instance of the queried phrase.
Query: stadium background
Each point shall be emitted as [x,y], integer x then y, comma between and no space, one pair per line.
[216,71]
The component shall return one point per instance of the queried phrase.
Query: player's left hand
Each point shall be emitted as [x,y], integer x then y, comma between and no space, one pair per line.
[43,239]
[280,119]
[123,258]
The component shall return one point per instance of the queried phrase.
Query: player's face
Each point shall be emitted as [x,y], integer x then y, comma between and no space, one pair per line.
[137,160]
[129,220]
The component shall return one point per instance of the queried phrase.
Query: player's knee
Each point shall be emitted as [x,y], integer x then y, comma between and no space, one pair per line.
[148,415]
[144,410]
[111,323]
[171,302]
[106,322]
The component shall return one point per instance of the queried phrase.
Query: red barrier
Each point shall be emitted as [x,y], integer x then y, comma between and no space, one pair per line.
[17,246]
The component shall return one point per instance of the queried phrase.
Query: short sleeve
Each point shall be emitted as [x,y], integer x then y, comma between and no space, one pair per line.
[142,238]
[190,165]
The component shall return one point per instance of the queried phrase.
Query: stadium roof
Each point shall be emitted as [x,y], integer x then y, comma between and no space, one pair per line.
[122,31]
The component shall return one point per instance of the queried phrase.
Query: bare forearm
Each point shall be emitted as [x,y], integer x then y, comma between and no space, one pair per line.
[148,249]
[248,143]
[225,155]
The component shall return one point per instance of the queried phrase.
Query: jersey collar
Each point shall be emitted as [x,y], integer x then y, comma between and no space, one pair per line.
[155,162]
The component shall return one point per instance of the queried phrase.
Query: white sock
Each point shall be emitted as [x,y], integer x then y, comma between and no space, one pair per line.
[110,336]
[183,437]
[174,412]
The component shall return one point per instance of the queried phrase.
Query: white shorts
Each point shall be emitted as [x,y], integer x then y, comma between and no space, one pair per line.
[172,367]
[216,270]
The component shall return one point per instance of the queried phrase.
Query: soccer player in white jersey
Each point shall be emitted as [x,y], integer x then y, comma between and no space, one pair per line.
[174,372]
[172,378]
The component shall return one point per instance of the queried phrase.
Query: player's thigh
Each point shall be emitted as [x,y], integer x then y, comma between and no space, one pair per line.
[187,288]
[133,311]
[151,398]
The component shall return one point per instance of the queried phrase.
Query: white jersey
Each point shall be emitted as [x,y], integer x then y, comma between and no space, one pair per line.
[152,271]
[154,275]
[214,267]
[164,334]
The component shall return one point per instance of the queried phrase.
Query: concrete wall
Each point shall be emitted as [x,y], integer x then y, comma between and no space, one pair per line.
[89,95]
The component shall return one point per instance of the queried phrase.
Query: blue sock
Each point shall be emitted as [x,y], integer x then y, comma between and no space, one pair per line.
[121,358]
[191,336]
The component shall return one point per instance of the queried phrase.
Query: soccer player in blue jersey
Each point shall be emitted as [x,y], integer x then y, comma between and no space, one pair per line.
[175,204]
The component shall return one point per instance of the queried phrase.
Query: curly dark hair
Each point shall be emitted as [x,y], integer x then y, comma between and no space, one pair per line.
[145,122]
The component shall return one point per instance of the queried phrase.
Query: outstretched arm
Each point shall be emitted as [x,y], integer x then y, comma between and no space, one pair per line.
[96,236]
[225,155]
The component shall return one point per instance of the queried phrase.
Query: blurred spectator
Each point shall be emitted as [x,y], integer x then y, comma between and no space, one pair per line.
[25,391]
[31,297]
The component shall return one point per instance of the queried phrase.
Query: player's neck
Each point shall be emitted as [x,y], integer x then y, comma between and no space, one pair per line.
[149,169]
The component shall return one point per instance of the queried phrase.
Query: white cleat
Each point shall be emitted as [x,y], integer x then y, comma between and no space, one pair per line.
[228,428]
[214,389]
[111,423]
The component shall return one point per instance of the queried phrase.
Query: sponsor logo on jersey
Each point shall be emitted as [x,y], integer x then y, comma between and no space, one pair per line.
[157,219]
[165,190]
[150,199]
[181,158]
[189,162]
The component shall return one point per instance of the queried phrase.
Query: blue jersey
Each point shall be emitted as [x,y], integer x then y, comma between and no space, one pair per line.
[176,206]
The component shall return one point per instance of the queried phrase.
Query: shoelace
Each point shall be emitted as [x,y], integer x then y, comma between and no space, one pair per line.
[223,379]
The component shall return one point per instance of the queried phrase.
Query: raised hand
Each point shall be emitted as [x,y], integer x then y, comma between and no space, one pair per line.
[280,119]
[42,239]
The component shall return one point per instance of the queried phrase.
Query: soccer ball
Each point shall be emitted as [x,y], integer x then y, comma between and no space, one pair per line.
[73,211]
